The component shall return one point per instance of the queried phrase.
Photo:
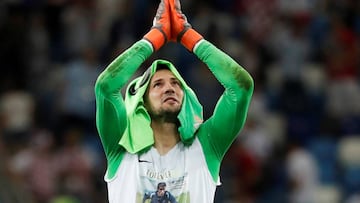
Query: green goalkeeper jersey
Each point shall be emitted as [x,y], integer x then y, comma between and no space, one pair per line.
[191,168]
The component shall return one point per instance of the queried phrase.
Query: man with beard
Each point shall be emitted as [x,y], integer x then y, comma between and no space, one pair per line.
[157,133]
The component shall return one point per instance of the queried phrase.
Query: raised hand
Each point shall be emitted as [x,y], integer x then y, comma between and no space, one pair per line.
[160,32]
[181,30]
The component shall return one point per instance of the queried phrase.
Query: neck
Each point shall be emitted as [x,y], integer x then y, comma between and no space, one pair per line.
[166,136]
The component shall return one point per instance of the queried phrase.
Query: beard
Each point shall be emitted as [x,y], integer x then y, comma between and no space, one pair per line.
[165,115]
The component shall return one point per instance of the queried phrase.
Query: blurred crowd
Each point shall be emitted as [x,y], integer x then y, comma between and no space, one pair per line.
[301,141]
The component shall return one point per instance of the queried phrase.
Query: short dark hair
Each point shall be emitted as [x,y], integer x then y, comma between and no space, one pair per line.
[161,184]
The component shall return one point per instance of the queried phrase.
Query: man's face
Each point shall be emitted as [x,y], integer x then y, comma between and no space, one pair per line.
[161,191]
[164,95]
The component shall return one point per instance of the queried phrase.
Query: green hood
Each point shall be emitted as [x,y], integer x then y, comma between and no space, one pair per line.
[138,134]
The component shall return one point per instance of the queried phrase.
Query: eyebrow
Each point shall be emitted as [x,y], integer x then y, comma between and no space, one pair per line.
[160,79]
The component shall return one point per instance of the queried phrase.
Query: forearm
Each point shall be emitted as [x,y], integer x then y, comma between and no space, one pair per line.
[226,70]
[120,70]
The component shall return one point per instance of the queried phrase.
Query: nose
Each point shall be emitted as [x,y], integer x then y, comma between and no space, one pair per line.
[169,88]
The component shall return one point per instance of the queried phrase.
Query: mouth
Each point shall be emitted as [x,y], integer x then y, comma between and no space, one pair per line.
[170,99]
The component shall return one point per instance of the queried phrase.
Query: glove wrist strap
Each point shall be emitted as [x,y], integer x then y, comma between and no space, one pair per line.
[156,37]
[189,38]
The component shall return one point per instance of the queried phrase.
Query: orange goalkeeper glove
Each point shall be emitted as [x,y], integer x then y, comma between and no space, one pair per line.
[181,30]
[160,32]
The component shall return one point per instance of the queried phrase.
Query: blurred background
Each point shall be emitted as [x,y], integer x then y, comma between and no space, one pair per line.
[301,142]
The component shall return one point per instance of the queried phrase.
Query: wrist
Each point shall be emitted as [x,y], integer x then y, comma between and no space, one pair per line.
[190,38]
[198,44]
[156,37]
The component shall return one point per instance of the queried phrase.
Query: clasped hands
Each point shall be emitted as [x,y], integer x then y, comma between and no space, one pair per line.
[170,24]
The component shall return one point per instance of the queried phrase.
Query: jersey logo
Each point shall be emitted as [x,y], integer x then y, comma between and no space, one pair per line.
[144,161]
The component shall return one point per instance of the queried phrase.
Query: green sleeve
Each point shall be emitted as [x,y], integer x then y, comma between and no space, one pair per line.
[111,117]
[220,130]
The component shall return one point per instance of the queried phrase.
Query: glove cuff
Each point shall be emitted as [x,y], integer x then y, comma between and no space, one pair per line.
[156,37]
[190,38]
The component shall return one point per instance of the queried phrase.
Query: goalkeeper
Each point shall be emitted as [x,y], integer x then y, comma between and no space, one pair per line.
[157,133]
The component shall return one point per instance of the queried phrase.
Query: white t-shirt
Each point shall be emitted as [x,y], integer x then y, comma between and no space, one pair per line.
[183,169]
